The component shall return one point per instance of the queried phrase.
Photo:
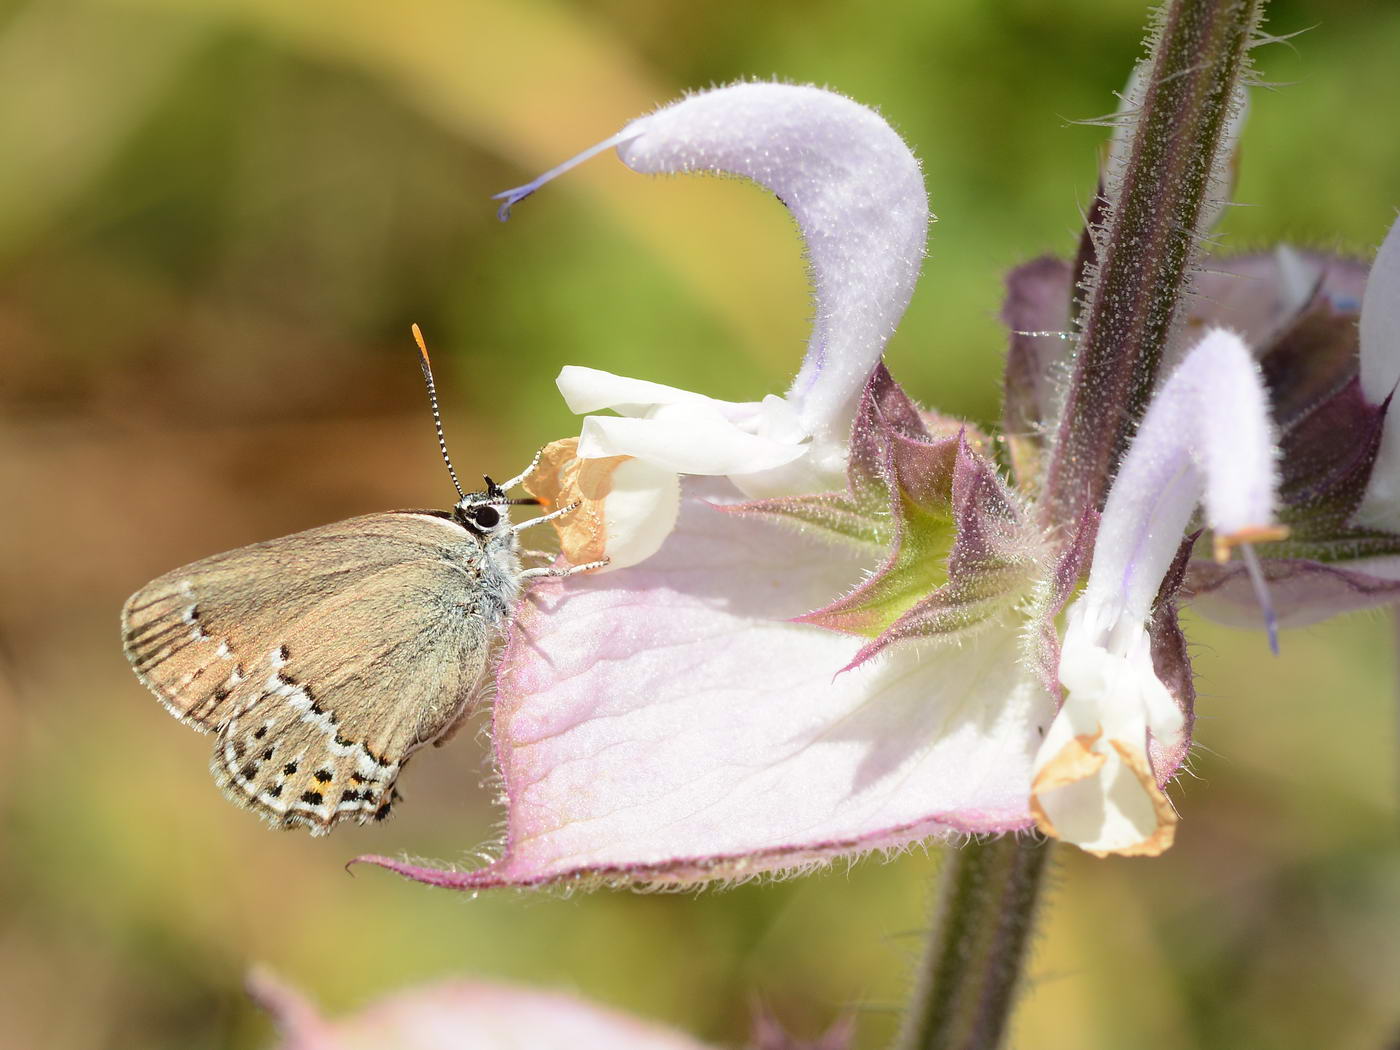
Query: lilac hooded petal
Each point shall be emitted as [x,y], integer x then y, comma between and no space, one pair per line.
[462,1015]
[667,724]
[856,192]
[1206,440]
[1380,321]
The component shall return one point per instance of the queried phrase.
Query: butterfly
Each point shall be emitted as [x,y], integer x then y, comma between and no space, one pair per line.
[323,660]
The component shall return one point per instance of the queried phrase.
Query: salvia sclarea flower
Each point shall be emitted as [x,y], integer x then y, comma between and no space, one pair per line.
[484,1015]
[838,622]
[460,1015]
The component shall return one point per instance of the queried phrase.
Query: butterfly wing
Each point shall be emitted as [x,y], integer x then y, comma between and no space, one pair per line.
[322,660]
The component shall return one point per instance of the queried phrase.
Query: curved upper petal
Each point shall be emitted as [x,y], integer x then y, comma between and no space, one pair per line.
[669,725]
[856,192]
[1206,439]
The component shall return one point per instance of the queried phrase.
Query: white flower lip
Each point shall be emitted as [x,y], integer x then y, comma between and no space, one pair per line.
[678,430]
[1094,784]
[624,508]
[591,390]
[1206,439]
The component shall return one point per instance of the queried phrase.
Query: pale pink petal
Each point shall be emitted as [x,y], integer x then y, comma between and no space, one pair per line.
[464,1015]
[1380,321]
[1302,592]
[1380,372]
[666,724]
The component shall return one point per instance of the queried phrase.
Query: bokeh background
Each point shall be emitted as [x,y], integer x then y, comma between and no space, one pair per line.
[217,220]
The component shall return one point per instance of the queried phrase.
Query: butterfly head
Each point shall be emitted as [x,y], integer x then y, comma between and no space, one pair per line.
[487,513]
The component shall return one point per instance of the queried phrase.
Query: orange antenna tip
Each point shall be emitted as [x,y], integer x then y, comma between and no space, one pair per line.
[418,338]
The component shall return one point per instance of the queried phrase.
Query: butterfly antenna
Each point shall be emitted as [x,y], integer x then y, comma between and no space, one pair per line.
[437,416]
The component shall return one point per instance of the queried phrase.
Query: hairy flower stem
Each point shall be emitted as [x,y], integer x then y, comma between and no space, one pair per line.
[967,980]
[1154,217]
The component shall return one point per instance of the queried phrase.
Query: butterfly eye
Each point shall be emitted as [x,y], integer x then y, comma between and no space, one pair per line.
[486,517]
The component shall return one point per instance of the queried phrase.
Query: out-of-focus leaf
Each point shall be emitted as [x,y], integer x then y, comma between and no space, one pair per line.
[459,63]
[77,85]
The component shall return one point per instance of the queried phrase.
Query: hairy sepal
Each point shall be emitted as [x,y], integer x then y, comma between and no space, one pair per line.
[960,549]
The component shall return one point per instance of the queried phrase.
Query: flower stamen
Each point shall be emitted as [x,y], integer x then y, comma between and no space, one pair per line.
[511,197]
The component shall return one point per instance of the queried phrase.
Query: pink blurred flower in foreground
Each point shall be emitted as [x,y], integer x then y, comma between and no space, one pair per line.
[842,628]
[462,1015]
[481,1015]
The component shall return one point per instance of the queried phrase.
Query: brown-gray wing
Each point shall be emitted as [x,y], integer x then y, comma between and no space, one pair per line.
[322,659]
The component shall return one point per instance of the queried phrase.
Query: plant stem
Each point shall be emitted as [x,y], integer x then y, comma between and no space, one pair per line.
[1145,233]
[967,981]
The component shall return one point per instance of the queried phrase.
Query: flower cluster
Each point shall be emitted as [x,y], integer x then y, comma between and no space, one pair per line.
[835,622]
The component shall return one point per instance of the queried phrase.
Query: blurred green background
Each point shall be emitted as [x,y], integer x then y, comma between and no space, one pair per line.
[218,219]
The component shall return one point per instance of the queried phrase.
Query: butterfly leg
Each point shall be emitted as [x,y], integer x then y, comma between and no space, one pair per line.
[558,574]
[545,517]
[508,485]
